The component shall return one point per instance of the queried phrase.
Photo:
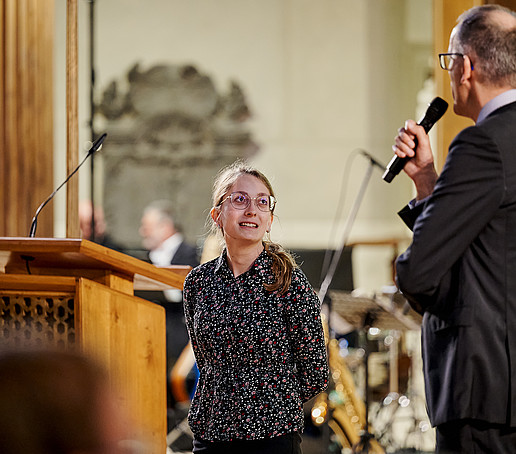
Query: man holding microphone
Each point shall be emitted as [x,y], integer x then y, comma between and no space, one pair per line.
[460,270]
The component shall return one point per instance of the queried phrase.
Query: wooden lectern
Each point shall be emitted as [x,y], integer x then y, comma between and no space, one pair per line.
[73,293]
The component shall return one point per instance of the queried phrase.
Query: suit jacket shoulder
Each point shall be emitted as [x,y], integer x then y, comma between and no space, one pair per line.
[185,255]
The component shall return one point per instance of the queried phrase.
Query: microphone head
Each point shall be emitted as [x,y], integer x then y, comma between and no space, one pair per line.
[434,112]
[97,144]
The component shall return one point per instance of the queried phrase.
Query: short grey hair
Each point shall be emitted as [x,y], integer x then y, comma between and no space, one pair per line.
[166,210]
[490,44]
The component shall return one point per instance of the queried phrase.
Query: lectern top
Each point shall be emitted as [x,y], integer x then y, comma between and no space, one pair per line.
[20,255]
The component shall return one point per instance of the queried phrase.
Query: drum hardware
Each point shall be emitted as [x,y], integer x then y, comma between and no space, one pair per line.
[335,412]
[365,443]
[342,409]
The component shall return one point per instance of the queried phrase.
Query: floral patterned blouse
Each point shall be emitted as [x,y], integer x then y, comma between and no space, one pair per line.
[260,355]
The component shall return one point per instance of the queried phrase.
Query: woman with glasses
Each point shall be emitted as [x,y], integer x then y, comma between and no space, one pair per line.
[255,328]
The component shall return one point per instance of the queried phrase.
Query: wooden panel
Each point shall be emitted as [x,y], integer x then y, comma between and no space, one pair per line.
[2,117]
[127,335]
[26,113]
[445,18]
[10,63]
[43,123]
[511,4]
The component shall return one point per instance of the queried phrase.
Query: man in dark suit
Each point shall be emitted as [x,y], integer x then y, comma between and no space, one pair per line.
[166,245]
[161,236]
[460,270]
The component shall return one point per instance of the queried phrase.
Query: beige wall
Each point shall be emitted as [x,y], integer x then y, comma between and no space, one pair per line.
[323,78]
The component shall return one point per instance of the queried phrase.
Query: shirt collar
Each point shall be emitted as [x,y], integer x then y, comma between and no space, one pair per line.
[498,101]
[163,254]
[222,262]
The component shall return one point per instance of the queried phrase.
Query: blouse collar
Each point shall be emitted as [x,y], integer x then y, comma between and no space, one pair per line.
[262,261]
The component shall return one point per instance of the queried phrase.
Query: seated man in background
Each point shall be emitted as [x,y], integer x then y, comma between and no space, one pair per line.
[166,246]
[161,236]
[89,217]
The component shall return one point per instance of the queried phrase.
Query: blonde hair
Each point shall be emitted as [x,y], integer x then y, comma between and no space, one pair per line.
[283,263]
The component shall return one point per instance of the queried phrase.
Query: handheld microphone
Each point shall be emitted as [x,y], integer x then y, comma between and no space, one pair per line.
[434,112]
[96,145]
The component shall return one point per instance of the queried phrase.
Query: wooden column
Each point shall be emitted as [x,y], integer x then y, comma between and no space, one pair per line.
[26,114]
[72,141]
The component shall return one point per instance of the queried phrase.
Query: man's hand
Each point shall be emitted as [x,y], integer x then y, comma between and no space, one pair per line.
[420,167]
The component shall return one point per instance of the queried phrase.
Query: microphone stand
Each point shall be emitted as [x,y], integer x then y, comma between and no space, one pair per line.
[96,146]
[92,114]
[349,223]
[363,445]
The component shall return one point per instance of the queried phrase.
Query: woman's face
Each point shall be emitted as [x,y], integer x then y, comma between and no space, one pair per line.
[250,224]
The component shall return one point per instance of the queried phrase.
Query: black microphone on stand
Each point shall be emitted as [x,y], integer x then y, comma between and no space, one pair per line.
[96,145]
[434,112]
[373,160]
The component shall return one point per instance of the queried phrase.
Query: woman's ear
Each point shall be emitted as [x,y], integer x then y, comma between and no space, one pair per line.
[215,215]
[269,224]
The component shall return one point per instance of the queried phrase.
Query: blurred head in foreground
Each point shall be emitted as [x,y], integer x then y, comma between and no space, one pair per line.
[56,402]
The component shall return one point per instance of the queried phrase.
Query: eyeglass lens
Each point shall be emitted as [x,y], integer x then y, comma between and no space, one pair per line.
[241,201]
[446,60]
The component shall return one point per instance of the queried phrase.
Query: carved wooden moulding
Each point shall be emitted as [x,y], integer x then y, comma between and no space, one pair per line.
[29,320]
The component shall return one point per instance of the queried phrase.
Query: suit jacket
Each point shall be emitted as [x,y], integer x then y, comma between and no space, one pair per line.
[460,272]
[185,255]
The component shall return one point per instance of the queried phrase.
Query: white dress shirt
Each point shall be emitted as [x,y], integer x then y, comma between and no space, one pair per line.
[162,256]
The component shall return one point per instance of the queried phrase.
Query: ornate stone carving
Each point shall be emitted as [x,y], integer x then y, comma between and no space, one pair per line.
[169,132]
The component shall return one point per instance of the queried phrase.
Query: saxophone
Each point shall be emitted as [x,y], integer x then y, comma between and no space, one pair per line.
[342,408]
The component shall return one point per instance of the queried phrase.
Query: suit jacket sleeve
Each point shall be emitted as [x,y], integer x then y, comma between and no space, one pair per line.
[409,215]
[466,196]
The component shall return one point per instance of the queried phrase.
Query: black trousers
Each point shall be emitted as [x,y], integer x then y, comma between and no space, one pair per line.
[284,444]
[470,436]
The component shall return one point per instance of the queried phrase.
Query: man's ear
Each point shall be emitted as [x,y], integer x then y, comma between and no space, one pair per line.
[467,69]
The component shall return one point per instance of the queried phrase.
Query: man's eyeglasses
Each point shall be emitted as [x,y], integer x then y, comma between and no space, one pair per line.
[446,60]
[241,201]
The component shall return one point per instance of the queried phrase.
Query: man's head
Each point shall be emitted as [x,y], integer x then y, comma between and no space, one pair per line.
[485,38]
[157,224]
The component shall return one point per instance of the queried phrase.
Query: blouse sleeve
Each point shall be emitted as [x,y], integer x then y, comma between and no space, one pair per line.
[306,336]
[189,308]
